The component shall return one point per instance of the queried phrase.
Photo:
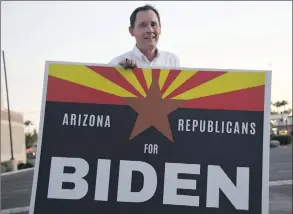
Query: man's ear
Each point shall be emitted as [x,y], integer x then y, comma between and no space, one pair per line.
[131,31]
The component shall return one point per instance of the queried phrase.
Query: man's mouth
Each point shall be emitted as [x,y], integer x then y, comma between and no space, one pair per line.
[151,37]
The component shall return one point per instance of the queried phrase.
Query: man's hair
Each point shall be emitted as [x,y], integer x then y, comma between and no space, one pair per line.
[143,8]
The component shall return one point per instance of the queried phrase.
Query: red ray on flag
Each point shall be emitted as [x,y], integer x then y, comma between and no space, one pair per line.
[224,90]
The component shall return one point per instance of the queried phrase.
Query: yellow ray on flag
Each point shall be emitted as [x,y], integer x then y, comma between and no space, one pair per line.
[147,72]
[163,76]
[180,79]
[231,81]
[131,78]
[82,75]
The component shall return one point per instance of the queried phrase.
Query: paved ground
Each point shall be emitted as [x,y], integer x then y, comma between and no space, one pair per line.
[281,199]
[281,169]
[281,163]
[16,188]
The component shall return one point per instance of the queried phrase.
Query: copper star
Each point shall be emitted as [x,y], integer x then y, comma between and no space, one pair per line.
[153,111]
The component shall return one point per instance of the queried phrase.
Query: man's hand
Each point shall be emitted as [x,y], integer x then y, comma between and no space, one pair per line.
[128,64]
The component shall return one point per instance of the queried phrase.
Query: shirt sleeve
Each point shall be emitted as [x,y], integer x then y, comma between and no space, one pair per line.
[176,60]
[115,61]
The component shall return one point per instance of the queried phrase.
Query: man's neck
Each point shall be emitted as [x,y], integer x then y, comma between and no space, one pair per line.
[149,54]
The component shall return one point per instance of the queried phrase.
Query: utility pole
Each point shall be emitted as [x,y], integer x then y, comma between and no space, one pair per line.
[8,108]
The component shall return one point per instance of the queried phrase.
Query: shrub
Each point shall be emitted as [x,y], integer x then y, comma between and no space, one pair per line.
[3,168]
[274,143]
[21,166]
[24,166]
[28,165]
[283,139]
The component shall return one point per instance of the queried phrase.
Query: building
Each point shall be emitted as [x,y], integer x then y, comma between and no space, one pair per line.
[18,138]
[282,123]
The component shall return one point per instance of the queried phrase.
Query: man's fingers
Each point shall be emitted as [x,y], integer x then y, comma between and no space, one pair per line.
[123,64]
[128,64]
[133,64]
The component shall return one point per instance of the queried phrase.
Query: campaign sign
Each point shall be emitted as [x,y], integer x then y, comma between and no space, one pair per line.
[153,140]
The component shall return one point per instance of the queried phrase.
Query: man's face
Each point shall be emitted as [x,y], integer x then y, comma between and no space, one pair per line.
[146,29]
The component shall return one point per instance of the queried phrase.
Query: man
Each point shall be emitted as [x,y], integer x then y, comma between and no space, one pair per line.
[145,27]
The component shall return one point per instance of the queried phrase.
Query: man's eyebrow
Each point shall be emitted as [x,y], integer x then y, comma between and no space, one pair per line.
[144,22]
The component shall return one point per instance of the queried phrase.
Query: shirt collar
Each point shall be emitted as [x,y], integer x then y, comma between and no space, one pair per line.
[139,54]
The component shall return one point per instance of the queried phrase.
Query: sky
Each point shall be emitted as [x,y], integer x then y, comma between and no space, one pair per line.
[224,35]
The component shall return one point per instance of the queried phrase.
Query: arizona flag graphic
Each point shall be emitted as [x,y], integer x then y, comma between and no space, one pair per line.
[155,93]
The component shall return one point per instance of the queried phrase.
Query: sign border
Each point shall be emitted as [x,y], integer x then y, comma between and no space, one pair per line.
[266,124]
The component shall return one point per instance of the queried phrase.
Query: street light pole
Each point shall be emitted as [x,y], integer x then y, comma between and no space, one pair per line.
[8,108]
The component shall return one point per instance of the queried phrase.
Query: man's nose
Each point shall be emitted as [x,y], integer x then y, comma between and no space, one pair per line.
[150,29]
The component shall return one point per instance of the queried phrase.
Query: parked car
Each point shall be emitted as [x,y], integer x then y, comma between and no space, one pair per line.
[31,154]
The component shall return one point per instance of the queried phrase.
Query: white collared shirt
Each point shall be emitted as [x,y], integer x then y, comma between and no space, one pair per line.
[163,59]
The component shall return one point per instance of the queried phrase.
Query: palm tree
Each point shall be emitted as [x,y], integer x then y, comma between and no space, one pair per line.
[284,103]
[277,104]
[28,123]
